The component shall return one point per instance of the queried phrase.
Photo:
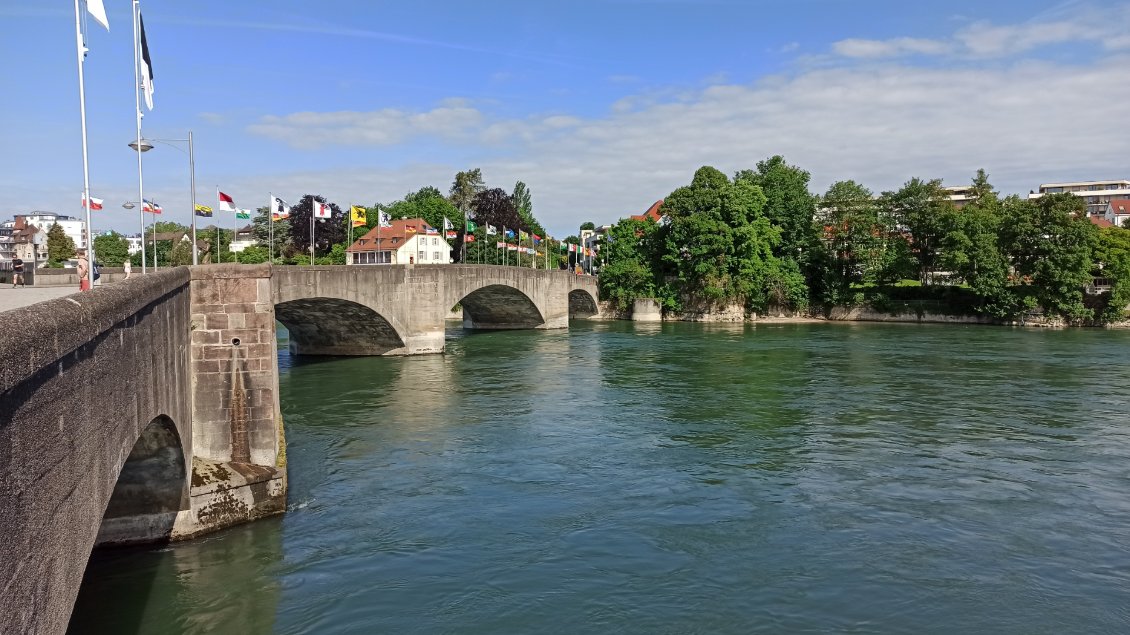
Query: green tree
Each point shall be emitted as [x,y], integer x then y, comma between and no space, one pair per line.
[327,232]
[261,228]
[1050,243]
[111,250]
[60,247]
[465,188]
[589,225]
[523,202]
[253,255]
[922,209]
[852,233]
[1112,255]
[629,255]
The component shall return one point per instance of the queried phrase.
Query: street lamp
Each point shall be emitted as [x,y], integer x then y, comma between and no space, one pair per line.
[145,145]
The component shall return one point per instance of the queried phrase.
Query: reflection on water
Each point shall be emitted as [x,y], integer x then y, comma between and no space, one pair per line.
[678,478]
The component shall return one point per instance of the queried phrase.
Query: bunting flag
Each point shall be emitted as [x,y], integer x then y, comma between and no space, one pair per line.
[150,206]
[243,214]
[226,203]
[491,230]
[452,234]
[95,204]
[447,225]
[146,64]
[321,210]
[357,215]
[98,12]
[204,211]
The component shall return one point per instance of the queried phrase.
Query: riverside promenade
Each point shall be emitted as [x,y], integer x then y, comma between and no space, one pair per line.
[23,296]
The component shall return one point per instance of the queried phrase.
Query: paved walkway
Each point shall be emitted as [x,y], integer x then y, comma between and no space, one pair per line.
[15,298]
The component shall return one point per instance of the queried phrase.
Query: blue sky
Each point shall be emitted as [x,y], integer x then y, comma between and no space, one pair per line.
[601,107]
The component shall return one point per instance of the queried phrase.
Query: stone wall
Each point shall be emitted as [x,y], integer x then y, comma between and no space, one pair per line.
[80,378]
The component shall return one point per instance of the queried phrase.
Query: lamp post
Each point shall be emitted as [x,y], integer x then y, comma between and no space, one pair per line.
[145,145]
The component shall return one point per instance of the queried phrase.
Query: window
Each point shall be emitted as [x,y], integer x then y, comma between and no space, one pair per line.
[422,255]
[436,256]
[435,241]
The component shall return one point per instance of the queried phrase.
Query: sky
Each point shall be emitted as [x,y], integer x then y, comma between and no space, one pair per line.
[601,107]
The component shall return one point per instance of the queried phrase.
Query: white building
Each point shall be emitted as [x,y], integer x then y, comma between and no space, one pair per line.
[244,238]
[959,195]
[1097,194]
[1117,212]
[407,241]
[72,227]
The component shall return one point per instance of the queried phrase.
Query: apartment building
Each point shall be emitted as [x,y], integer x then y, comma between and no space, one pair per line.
[1097,194]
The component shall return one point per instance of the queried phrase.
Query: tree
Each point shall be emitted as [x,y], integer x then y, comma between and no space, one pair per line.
[851,232]
[1050,244]
[629,255]
[327,232]
[496,207]
[426,203]
[111,250]
[589,225]
[921,209]
[60,247]
[465,188]
[253,255]
[523,202]
[261,227]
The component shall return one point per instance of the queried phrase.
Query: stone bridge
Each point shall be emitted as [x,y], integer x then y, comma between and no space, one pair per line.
[147,410]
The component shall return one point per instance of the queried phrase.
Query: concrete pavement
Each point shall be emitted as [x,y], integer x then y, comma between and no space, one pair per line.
[22,296]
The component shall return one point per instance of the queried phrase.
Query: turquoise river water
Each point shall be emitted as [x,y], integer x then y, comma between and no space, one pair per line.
[677,478]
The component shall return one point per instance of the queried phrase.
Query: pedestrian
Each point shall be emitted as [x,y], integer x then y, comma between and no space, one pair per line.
[126,267]
[83,267]
[17,272]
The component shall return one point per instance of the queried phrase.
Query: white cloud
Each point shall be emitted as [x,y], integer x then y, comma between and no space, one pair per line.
[452,120]
[1104,27]
[877,125]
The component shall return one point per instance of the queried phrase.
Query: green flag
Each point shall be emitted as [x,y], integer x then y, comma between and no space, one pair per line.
[471,226]
[243,214]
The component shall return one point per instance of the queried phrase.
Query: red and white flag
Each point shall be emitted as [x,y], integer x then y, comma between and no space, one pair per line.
[321,210]
[95,204]
[226,204]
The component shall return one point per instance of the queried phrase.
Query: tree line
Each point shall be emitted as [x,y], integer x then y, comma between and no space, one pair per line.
[762,240]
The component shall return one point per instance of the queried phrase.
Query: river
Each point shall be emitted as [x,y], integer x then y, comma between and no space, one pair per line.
[677,478]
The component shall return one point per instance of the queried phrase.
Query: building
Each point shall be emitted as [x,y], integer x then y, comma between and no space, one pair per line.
[134,244]
[74,228]
[244,238]
[1097,194]
[1117,211]
[959,195]
[17,240]
[652,212]
[406,241]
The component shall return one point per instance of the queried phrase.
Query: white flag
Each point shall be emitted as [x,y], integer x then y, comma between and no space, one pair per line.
[146,64]
[98,12]
[321,210]
[279,209]
[386,220]
[491,230]
[447,223]
[226,203]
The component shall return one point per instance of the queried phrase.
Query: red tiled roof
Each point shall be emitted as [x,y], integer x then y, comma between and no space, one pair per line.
[1099,221]
[1120,206]
[391,238]
[652,212]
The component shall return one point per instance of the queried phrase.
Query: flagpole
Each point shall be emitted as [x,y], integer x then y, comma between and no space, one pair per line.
[312,203]
[137,112]
[192,184]
[271,227]
[81,49]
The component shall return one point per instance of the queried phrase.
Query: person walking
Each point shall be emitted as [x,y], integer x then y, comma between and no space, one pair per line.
[17,272]
[126,267]
[83,267]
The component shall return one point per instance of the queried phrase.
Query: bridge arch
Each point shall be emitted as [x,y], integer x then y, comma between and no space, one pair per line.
[151,488]
[582,304]
[335,326]
[500,306]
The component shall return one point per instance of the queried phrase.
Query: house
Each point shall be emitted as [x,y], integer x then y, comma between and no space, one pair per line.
[652,212]
[404,242]
[244,238]
[1117,211]
[1100,222]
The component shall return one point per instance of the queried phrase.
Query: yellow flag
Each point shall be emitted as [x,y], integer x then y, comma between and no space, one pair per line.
[357,213]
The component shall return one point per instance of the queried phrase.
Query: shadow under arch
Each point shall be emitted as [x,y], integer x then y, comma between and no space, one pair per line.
[582,304]
[332,326]
[499,306]
[152,487]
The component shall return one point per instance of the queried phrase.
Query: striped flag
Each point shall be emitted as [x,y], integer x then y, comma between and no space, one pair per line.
[95,203]
[203,211]
[226,204]
[146,64]
[243,214]
[151,207]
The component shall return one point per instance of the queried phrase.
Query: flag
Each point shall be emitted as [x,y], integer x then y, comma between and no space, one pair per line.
[431,231]
[279,209]
[226,204]
[522,235]
[385,220]
[452,234]
[98,12]
[572,248]
[563,246]
[471,227]
[204,211]
[447,224]
[491,230]
[469,238]
[95,204]
[150,206]
[146,64]
[321,210]
[537,239]
[358,216]
[511,247]
[410,229]
[500,244]
[243,214]
[509,233]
